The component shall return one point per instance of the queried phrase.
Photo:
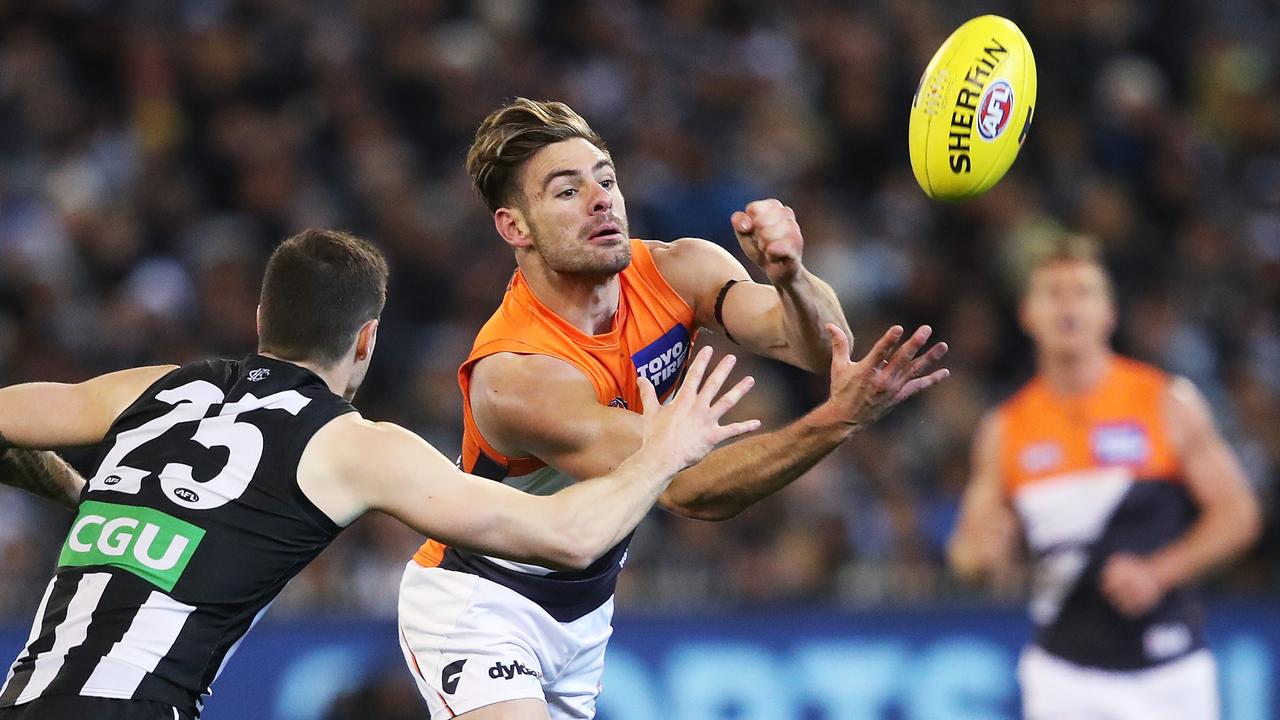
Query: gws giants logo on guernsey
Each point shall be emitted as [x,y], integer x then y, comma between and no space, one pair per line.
[661,361]
[1124,443]
[1041,457]
[994,109]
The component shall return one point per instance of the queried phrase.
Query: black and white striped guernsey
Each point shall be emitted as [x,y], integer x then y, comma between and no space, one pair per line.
[191,525]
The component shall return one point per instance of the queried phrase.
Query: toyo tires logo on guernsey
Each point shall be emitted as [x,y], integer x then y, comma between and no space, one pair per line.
[148,543]
[660,361]
[995,108]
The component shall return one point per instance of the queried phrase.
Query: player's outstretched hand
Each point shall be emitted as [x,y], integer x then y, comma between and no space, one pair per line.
[687,428]
[863,391]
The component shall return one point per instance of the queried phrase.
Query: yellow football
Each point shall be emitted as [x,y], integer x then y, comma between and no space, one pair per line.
[972,109]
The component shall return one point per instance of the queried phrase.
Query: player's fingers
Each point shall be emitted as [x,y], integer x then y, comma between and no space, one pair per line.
[693,378]
[742,222]
[726,401]
[921,384]
[901,359]
[921,365]
[733,430]
[716,379]
[648,397]
[880,351]
[840,347]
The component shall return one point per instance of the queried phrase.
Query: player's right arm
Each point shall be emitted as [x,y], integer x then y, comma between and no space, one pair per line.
[541,406]
[352,465]
[38,416]
[985,540]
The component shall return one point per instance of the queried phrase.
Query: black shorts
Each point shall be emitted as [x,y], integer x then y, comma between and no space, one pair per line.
[73,707]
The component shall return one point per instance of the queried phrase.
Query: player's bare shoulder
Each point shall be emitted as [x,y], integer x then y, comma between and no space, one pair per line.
[1188,417]
[695,268]
[334,465]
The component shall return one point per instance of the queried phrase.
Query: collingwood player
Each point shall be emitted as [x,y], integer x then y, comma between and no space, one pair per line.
[1116,478]
[221,480]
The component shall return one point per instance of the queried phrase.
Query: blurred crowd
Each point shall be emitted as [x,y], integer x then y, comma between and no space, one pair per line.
[152,152]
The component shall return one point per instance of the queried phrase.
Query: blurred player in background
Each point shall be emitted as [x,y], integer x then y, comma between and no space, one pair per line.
[1115,476]
[221,480]
[549,398]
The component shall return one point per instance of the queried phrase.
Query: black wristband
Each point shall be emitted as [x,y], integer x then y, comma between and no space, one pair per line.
[720,309]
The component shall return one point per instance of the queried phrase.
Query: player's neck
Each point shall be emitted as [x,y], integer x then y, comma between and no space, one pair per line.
[1075,373]
[334,376]
[588,302]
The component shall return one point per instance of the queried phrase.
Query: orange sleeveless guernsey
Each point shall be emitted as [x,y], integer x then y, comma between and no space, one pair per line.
[1120,422]
[652,334]
[1089,476]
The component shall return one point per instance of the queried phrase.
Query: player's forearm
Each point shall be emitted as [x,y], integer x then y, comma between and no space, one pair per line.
[590,517]
[41,473]
[808,304]
[736,476]
[1217,537]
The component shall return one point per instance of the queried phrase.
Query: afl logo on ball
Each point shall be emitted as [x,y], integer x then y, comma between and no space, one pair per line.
[994,109]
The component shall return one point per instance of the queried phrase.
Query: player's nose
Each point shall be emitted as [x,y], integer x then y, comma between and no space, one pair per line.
[601,199]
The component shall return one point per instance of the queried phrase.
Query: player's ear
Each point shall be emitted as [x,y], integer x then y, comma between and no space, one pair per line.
[513,227]
[257,319]
[366,338]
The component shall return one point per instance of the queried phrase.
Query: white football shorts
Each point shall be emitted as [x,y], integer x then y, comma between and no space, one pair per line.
[470,642]
[1055,689]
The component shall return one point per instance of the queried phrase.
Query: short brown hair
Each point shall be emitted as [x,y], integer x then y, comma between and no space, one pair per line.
[319,288]
[1068,247]
[511,135]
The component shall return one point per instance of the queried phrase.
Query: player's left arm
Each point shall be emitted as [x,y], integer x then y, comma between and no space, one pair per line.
[1230,519]
[42,473]
[37,416]
[784,320]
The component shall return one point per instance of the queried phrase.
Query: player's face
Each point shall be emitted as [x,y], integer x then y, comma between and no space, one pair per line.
[576,216]
[1068,308]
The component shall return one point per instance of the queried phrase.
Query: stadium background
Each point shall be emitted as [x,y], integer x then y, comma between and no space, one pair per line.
[152,152]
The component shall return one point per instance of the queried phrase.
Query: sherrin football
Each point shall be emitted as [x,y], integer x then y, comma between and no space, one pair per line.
[972,109]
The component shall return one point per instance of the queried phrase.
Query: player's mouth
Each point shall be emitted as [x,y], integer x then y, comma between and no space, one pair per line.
[607,234]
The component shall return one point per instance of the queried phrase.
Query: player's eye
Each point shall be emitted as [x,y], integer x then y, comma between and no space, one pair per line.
[567,193]
[608,183]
